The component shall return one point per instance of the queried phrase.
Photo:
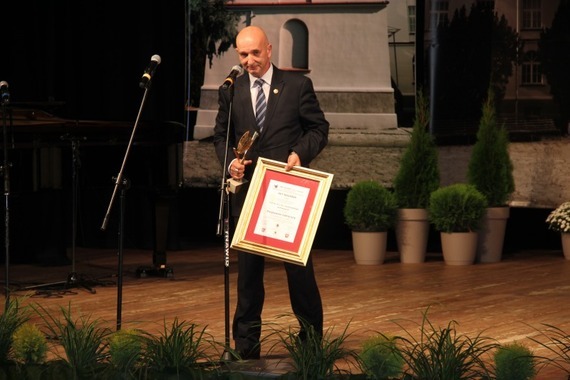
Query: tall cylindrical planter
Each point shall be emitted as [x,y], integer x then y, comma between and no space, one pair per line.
[369,247]
[492,234]
[459,248]
[566,244]
[412,231]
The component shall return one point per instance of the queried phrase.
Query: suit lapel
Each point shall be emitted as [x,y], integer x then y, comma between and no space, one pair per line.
[274,95]
[242,96]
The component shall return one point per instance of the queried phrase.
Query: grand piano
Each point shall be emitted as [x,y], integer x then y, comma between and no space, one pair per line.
[48,154]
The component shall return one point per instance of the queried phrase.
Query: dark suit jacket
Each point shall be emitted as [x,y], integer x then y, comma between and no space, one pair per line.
[294,122]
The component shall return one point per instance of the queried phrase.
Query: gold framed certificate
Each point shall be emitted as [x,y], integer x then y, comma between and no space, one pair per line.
[282,211]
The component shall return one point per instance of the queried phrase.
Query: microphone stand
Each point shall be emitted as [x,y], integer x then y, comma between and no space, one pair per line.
[123,184]
[73,278]
[5,169]
[223,229]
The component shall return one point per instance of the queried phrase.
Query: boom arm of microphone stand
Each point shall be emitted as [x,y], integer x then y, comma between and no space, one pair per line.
[119,179]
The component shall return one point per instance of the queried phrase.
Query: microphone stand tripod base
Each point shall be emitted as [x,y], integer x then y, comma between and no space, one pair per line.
[156,271]
[75,280]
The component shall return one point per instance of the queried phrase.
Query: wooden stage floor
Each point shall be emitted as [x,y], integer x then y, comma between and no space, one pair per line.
[507,301]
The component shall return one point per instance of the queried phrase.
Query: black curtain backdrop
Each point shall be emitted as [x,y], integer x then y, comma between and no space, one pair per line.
[84,60]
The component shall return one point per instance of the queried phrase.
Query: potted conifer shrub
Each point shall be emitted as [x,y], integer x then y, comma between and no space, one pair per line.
[490,170]
[369,211]
[417,177]
[456,211]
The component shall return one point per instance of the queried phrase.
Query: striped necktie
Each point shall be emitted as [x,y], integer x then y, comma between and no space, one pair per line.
[260,104]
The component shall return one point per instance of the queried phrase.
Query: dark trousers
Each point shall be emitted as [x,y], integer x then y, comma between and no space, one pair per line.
[303,293]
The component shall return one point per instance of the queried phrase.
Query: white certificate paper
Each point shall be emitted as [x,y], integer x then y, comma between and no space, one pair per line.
[281,211]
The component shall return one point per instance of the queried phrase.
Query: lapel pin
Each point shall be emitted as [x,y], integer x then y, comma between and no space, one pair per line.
[275,91]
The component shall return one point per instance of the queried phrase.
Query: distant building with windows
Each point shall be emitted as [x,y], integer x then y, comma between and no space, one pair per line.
[527,94]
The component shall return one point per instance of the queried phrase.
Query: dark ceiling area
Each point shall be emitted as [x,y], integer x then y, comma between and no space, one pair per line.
[81,63]
[84,61]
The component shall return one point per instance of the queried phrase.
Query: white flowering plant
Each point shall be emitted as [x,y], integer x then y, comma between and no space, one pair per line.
[559,219]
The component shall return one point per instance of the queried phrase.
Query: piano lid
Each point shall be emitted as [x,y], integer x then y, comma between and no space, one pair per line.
[27,125]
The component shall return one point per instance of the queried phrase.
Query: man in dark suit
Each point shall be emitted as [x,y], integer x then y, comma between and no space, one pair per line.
[294,131]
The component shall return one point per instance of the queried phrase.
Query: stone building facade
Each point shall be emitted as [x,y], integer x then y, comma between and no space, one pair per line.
[541,168]
[345,51]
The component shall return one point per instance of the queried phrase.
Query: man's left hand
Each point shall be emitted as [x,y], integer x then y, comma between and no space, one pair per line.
[292,160]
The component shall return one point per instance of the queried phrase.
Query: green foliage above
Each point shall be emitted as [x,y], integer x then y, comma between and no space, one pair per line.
[211,31]
[490,168]
[380,358]
[418,174]
[456,208]
[212,24]
[475,48]
[554,60]
[370,207]
[514,361]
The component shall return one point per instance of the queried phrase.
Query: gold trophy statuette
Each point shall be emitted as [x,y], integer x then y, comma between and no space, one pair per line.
[244,143]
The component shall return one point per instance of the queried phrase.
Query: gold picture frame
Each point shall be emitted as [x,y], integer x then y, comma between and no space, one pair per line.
[282,210]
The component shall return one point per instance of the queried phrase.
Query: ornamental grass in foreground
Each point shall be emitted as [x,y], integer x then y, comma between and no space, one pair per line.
[85,349]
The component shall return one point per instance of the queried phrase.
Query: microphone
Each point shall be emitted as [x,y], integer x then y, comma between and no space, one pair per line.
[237,70]
[4,92]
[149,71]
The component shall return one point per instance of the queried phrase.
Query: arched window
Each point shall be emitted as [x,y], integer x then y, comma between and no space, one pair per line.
[294,46]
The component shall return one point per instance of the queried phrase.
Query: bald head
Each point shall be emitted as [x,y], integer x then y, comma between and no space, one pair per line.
[254,50]
[254,33]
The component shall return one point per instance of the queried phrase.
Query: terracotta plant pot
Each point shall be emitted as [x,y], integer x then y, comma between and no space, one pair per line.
[492,235]
[369,247]
[412,231]
[459,248]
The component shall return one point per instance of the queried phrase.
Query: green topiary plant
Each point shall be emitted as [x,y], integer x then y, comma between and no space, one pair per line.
[514,361]
[370,207]
[457,208]
[380,358]
[125,350]
[490,167]
[418,174]
[29,345]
